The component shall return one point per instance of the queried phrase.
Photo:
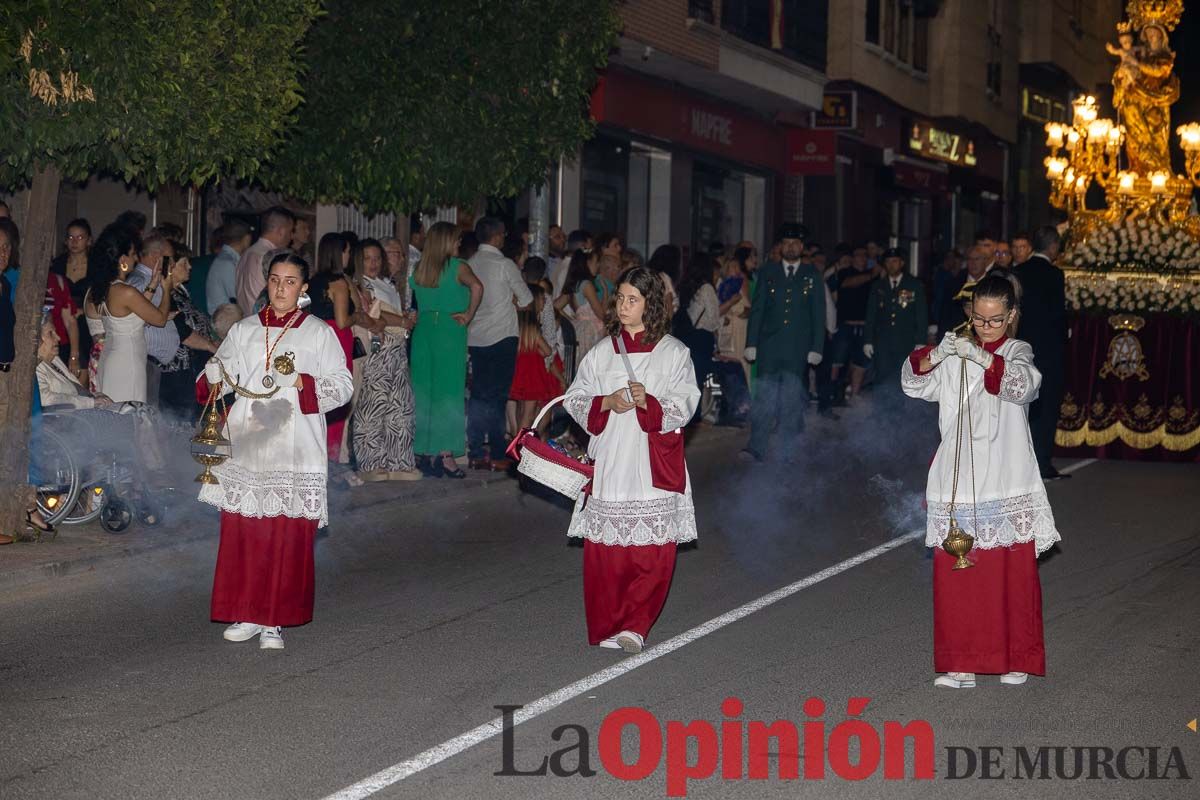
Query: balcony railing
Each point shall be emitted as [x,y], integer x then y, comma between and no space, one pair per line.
[801,32]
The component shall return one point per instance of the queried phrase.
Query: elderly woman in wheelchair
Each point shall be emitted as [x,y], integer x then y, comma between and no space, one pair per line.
[92,457]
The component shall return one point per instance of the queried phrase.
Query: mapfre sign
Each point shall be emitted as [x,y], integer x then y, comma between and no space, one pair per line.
[673,115]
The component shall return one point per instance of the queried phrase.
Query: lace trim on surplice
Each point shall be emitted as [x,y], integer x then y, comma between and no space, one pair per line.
[281,493]
[1001,523]
[635,522]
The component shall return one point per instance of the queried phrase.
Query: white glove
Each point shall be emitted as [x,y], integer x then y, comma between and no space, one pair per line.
[750,354]
[285,381]
[869,350]
[945,349]
[814,358]
[212,372]
[969,350]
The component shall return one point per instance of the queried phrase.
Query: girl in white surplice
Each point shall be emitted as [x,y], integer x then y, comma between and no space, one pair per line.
[987,619]
[640,505]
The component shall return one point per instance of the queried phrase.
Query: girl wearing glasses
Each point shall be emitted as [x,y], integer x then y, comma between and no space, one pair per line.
[987,619]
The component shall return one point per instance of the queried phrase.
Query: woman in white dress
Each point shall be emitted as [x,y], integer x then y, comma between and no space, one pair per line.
[579,291]
[987,619]
[124,313]
[272,491]
[640,505]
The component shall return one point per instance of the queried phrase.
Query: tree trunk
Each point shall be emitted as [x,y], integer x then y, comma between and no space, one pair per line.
[16,387]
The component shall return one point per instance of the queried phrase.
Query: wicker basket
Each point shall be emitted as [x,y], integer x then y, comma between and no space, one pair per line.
[550,467]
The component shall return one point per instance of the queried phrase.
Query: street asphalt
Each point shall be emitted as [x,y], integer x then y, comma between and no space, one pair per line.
[115,684]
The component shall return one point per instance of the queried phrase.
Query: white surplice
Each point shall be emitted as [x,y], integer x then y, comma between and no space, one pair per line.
[1011,505]
[625,508]
[279,465]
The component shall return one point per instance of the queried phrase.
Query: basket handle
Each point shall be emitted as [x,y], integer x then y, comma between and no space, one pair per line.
[546,409]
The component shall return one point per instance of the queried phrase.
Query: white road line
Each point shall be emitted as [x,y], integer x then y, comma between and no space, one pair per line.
[452,747]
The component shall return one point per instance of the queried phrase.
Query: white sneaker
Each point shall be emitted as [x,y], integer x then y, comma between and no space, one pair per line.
[1014,678]
[271,639]
[242,631]
[610,644]
[956,680]
[629,641]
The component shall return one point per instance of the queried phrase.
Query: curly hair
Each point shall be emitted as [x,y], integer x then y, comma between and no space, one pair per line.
[655,315]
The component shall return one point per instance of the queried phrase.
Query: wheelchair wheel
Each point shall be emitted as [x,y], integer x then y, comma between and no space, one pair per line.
[150,509]
[88,505]
[54,475]
[115,515]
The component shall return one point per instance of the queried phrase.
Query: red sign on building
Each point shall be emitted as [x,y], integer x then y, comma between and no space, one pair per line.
[811,152]
[672,115]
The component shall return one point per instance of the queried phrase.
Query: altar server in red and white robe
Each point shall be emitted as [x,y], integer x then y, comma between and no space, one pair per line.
[271,492]
[988,618]
[640,504]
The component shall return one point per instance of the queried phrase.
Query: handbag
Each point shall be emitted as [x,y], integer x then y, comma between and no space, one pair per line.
[357,349]
[542,462]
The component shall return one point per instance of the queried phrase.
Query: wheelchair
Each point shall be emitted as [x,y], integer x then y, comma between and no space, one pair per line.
[79,477]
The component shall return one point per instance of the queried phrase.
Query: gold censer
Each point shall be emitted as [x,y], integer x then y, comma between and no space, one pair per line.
[209,447]
[958,543]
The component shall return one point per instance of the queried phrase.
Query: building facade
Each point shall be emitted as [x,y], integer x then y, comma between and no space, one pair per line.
[693,114]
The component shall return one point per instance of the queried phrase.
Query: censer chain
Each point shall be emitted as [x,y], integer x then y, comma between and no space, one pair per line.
[241,391]
[964,398]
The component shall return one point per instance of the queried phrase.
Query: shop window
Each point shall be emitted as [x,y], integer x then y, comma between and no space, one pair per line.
[727,206]
[604,184]
[649,220]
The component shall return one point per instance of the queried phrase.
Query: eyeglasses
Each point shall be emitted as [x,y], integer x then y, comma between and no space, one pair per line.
[994,322]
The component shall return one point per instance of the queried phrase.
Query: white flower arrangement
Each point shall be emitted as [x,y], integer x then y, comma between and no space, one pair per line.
[1137,246]
[1149,294]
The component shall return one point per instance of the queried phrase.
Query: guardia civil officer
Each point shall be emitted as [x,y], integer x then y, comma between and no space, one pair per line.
[786,334]
[897,319]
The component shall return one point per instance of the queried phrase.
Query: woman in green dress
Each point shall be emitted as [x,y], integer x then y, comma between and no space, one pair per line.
[447,295]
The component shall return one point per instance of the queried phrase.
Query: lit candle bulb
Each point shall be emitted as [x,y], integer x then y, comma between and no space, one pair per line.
[1098,130]
[1054,134]
[1072,139]
[1189,137]
[1158,182]
[1055,167]
[1125,181]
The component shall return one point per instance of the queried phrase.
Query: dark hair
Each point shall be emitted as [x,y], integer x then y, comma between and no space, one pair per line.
[655,316]
[535,269]
[180,250]
[351,238]
[135,220]
[577,239]
[666,259]
[468,245]
[14,240]
[357,258]
[487,227]
[1021,235]
[603,240]
[996,285]
[699,272]
[104,259]
[288,257]
[416,223]
[233,230]
[512,248]
[1044,238]
[80,222]
[329,254]
[741,255]
[578,272]
[274,217]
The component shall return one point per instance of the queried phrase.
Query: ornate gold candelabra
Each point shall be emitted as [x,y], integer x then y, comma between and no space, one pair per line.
[1127,156]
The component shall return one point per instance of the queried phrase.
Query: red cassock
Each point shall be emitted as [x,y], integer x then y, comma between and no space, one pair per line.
[988,618]
[265,570]
[640,507]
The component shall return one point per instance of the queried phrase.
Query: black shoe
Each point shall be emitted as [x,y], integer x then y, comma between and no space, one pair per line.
[430,466]
[1055,475]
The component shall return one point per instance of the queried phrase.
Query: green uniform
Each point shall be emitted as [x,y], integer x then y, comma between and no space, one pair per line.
[787,322]
[897,322]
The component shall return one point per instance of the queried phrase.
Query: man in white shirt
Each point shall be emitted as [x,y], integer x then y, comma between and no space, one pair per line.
[492,342]
[220,287]
[277,224]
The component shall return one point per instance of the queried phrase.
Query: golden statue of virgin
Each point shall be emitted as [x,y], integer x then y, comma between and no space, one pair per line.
[1144,86]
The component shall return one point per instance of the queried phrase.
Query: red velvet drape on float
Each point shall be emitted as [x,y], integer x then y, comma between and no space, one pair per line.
[265,570]
[988,619]
[1145,416]
[625,588]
